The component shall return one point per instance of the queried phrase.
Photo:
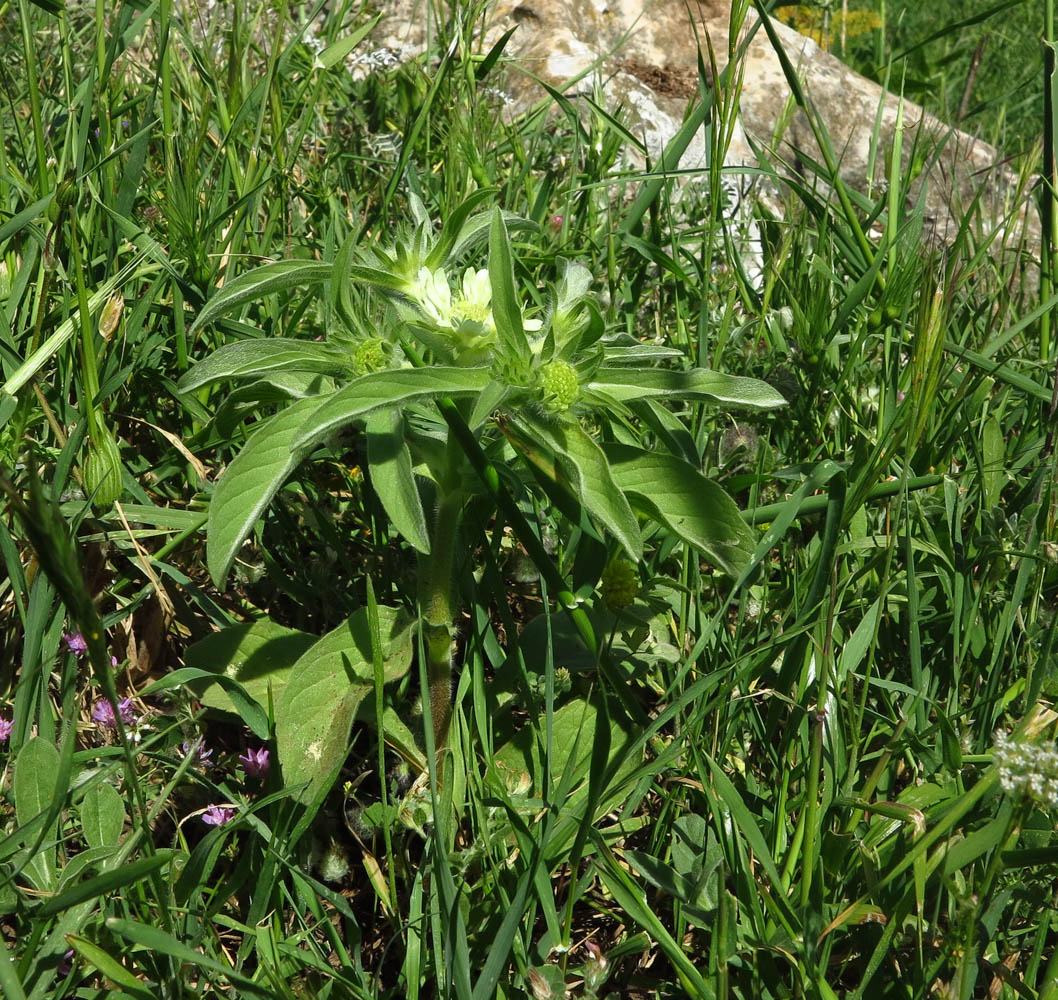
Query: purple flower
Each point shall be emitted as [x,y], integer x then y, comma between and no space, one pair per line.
[6,725]
[103,713]
[202,754]
[218,815]
[75,643]
[65,966]
[255,762]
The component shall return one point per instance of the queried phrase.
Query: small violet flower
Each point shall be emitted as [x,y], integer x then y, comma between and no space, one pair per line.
[75,643]
[103,713]
[65,966]
[203,754]
[218,815]
[255,763]
[6,725]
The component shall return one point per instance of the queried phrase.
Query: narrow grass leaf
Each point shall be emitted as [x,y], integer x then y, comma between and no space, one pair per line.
[159,941]
[107,882]
[631,899]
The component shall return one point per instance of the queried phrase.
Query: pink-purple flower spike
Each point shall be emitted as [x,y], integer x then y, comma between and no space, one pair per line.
[103,713]
[76,643]
[255,763]
[218,815]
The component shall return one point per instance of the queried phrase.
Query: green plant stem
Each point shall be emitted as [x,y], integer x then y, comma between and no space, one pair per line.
[33,83]
[89,364]
[1049,189]
[437,609]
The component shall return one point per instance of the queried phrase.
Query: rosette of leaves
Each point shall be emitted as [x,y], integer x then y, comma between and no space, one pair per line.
[454,344]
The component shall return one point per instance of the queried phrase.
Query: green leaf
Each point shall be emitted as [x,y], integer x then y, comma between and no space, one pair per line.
[261,281]
[399,386]
[257,656]
[336,53]
[632,900]
[280,387]
[250,482]
[326,688]
[692,507]
[583,467]
[161,943]
[105,963]
[506,308]
[458,223]
[247,709]
[254,358]
[102,816]
[34,784]
[629,384]
[993,454]
[574,735]
[107,882]
[392,477]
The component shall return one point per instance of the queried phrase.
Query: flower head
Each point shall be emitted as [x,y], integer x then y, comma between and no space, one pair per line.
[75,643]
[202,753]
[255,763]
[618,587]
[431,291]
[6,726]
[218,815]
[103,713]
[1027,770]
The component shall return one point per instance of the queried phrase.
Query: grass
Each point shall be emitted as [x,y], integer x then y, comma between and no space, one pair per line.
[779,781]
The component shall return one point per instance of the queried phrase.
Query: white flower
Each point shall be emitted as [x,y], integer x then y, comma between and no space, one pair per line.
[474,306]
[430,290]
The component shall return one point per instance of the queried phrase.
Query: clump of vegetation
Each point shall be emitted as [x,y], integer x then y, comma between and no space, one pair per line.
[427,575]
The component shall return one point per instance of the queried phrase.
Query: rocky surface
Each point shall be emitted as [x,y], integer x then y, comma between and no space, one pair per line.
[642,55]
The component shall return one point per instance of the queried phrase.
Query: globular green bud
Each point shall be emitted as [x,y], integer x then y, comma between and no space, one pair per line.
[370,356]
[101,471]
[560,384]
[619,586]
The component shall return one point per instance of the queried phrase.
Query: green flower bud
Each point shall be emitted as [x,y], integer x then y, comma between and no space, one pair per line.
[370,356]
[618,586]
[101,471]
[560,384]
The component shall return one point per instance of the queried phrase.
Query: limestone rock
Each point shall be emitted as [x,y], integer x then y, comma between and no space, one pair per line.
[643,56]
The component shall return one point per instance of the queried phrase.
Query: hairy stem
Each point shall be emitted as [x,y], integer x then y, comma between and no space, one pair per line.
[437,611]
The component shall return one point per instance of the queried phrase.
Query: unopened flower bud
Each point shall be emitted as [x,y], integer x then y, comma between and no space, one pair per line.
[101,472]
[618,587]
[370,356]
[561,385]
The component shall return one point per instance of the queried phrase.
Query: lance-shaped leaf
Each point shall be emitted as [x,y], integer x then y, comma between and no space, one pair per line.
[392,477]
[255,358]
[262,281]
[250,482]
[325,689]
[397,387]
[506,309]
[582,467]
[627,384]
[677,495]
